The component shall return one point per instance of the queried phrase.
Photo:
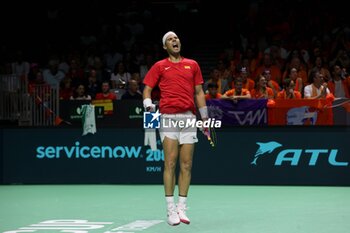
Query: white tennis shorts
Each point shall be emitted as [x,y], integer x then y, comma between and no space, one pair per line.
[178,127]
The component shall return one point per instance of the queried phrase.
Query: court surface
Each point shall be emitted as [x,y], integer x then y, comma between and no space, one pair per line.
[141,209]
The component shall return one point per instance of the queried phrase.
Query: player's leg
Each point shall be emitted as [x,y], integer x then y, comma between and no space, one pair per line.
[186,158]
[170,147]
[188,138]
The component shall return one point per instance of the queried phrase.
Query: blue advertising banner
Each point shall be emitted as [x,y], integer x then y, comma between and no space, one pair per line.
[65,156]
[249,155]
[276,156]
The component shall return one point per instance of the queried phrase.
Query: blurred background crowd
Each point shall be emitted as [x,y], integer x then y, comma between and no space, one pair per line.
[95,47]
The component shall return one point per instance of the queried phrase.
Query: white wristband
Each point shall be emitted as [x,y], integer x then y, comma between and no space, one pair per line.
[147,102]
[204,112]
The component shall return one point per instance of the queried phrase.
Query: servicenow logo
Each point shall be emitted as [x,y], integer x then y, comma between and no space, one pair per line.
[95,152]
[293,156]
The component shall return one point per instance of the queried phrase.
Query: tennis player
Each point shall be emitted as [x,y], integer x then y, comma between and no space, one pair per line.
[180,82]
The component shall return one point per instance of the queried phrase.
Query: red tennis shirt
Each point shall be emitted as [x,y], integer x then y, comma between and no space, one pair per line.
[176,82]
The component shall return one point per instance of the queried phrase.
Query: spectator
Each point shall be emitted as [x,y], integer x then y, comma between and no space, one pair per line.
[215,78]
[319,65]
[298,82]
[267,64]
[133,92]
[338,84]
[212,92]
[318,88]
[79,93]
[238,92]
[120,76]
[288,91]
[106,92]
[76,73]
[94,85]
[247,82]
[52,75]
[262,91]
[66,89]
[271,83]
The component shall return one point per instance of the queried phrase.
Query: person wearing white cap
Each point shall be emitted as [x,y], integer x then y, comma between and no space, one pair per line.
[180,82]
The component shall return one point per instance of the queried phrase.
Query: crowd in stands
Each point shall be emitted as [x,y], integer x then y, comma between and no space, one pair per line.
[285,50]
[281,50]
[241,86]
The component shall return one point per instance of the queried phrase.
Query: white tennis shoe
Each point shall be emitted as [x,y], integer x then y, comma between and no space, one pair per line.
[173,217]
[181,210]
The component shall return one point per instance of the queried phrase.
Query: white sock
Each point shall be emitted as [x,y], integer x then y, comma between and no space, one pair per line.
[170,200]
[182,200]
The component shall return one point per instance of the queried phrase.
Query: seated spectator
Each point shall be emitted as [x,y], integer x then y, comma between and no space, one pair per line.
[247,82]
[269,64]
[133,92]
[296,65]
[318,88]
[298,82]
[79,93]
[38,79]
[271,83]
[66,89]
[93,86]
[106,92]
[212,92]
[225,72]
[76,73]
[288,91]
[338,83]
[52,75]
[320,65]
[262,91]
[136,76]
[120,76]
[215,78]
[238,92]
[39,88]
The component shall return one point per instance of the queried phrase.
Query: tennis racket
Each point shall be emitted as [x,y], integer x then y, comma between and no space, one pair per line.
[211,136]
